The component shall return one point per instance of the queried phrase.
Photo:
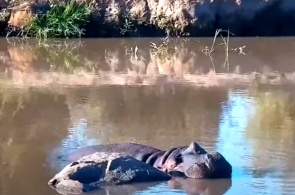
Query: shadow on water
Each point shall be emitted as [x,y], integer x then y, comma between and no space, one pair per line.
[54,99]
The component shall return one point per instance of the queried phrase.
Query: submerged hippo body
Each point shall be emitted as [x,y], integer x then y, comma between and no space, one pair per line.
[191,161]
[98,170]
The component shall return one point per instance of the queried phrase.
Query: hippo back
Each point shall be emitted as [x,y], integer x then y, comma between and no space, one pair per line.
[138,151]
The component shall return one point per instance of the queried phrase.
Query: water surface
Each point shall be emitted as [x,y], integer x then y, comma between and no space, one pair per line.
[64,95]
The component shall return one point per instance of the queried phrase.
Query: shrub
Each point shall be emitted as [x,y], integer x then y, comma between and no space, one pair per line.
[66,19]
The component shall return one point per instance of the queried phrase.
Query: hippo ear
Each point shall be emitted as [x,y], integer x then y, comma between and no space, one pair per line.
[194,148]
[74,163]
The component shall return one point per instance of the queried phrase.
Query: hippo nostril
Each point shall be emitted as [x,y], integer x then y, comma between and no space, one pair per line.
[52,182]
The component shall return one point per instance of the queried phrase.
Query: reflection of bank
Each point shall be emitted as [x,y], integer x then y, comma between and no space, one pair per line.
[240,143]
[271,132]
[32,123]
[163,116]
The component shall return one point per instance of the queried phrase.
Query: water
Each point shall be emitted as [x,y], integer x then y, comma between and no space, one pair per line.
[62,96]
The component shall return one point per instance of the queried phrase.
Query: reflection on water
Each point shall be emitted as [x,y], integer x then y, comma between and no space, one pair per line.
[117,62]
[233,122]
[251,124]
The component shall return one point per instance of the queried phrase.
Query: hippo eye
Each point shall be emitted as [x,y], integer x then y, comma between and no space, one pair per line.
[178,158]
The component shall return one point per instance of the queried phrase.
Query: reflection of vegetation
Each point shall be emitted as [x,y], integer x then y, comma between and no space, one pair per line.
[170,56]
[225,42]
[147,113]
[164,50]
[65,19]
[63,57]
[9,96]
[272,128]
[12,101]
[274,111]
[29,118]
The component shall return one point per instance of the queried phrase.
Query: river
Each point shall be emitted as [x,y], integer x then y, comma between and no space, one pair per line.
[65,94]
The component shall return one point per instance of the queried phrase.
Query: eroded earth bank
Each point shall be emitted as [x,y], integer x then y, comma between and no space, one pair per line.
[104,18]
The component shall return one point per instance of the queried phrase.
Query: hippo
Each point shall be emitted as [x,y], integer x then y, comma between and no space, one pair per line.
[102,169]
[191,161]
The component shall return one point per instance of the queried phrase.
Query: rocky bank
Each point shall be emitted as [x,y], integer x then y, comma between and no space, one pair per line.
[178,17]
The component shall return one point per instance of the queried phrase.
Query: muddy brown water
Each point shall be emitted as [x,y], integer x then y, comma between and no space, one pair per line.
[67,94]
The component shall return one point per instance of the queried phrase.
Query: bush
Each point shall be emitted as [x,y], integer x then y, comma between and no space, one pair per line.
[64,20]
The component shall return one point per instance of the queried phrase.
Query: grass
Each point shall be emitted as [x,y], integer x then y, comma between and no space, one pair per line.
[63,20]
[71,19]
[225,42]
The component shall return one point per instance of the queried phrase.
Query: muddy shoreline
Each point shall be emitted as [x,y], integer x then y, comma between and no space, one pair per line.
[151,18]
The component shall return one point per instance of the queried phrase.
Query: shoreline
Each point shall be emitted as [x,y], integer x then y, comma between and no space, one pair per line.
[150,18]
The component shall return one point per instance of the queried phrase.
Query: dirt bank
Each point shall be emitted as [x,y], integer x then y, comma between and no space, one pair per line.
[179,17]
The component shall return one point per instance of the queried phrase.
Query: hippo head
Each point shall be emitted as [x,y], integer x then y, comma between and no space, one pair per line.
[194,162]
[209,165]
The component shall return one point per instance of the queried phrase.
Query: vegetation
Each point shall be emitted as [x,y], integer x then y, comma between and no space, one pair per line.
[136,18]
[66,19]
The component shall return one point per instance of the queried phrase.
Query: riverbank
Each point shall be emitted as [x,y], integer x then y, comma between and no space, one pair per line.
[141,18]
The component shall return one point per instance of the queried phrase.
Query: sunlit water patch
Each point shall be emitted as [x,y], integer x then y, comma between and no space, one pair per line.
[77,138]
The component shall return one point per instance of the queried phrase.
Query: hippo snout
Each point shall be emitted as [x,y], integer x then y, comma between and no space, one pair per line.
[212,165]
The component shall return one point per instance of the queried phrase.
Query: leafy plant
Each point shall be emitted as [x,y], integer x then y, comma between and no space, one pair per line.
[66,19]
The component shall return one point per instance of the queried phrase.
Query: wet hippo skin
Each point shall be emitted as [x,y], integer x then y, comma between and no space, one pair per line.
[192,160]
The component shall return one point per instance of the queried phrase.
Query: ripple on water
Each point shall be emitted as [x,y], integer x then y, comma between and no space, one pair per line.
[288,186]
[77,137]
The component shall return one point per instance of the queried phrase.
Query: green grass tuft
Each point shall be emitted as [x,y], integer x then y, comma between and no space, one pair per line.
[65,20]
